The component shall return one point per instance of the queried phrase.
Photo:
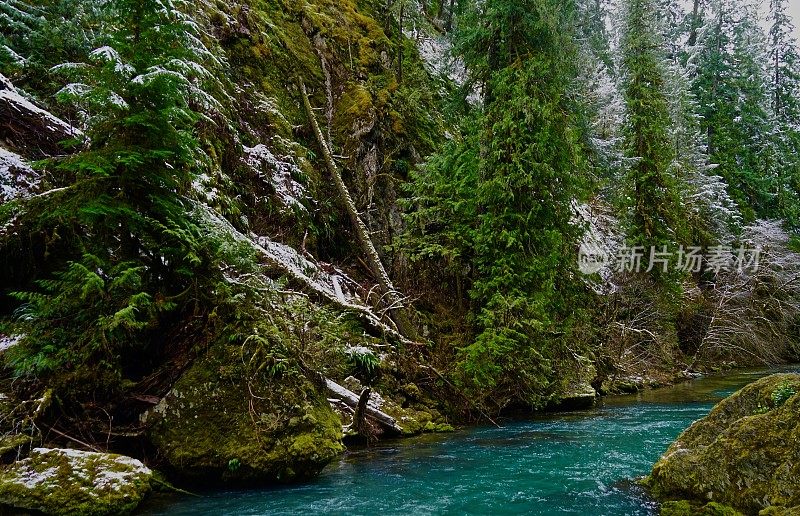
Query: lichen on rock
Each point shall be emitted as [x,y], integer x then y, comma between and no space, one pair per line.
[744,454]
[64,481]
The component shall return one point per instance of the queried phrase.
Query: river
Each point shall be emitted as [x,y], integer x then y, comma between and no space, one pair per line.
[579,462]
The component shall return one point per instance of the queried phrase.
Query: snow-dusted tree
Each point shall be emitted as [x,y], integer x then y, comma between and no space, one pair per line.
[18,20]
[784,86]
[130,248]
[673,22]
[600,96]
[714,216]
[592,29]
[655,208]
[35,35]
[730,84]
[784,65]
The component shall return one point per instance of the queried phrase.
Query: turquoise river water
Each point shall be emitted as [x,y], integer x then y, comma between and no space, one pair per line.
[579,462]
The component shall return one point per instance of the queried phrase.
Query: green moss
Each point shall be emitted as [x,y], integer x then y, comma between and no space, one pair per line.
[687,508]
[75,483]
[417,418]
[276,429]
[739,455]
[677,508]
[12,443]
[780,511]
[432,427]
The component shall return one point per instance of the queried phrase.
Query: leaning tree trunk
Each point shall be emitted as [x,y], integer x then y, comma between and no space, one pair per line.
[397,309]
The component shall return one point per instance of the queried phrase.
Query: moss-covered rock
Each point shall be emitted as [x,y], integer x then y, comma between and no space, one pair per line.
[687,508]
[61,481]
[221,422]
[744,454]
[417,418]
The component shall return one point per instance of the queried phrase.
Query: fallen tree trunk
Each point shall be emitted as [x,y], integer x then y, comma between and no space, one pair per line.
[363,312]
[27,129]
[396,307]
[352,399]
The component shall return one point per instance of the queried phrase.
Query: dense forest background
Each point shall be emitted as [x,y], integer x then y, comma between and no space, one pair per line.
[392,191]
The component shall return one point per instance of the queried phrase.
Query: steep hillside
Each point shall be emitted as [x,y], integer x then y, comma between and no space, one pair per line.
[236,235]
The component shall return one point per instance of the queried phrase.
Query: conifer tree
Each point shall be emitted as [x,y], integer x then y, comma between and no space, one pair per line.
[654,204]
[601,107]
[784,86]
[130,248]
[529,176]
[731,88]
[784,65]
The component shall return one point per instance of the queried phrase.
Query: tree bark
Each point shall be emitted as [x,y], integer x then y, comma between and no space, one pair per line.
[450,14]
[396,307]
[353,400]
[360,414]
[694,23]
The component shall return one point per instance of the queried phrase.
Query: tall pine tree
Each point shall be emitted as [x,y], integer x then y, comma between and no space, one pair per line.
[730,85]
[784,88]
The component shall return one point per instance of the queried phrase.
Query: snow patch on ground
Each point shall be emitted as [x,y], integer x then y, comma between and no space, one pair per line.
[17,179]
[278,173]
[335,283]
[320,279]
[93,474]
[357,350]
[7,341]
[31,478]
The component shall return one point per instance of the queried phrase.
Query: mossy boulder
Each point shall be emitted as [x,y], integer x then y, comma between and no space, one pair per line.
[224,423]
[745,454]
[62,481]
[687,508]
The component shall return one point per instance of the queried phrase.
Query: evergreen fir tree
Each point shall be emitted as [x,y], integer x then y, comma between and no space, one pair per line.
[731,89]
[130,248]
[784,86]
[655,208]
[529,176]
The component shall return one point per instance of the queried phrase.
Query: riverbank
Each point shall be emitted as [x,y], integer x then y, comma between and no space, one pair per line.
[571,462]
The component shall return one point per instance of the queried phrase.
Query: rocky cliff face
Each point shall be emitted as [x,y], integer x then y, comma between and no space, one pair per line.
[744,454]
